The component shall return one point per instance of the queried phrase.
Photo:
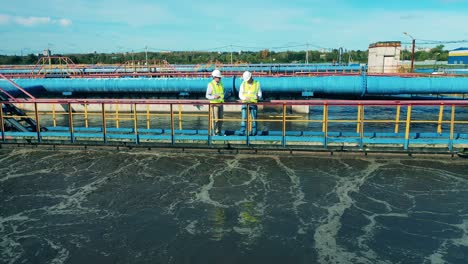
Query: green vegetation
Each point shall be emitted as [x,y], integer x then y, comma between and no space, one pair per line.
[438,53]
[197,57]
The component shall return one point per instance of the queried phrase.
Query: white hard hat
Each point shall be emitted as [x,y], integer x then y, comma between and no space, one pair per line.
[247,75]
[216,73]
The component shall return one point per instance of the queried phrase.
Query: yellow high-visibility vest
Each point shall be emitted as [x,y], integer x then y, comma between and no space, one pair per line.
[251,91]
[217,89]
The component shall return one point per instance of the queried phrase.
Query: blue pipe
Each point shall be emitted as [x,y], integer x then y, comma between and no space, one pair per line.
[280,68]
[379,85]
[332,85]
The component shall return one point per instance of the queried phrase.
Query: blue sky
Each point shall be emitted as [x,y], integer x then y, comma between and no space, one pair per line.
[66,26]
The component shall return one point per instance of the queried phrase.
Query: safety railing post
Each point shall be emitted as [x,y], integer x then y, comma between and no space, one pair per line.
[135,124]
[54,115]
[452,128]
[180,116]
[86,115]
[172,124]
[324,116]
[407,128]
[104,126]
[209,123]
[397,118]
[358,125]
[70,123]
[310,116]
[117,121]
[439,123]
[325,125]
[247,134]
[283,132]
[361,127]
[148,116]
[38,125]
[2,124]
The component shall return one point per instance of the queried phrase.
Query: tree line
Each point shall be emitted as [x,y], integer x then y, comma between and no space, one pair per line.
[198,57]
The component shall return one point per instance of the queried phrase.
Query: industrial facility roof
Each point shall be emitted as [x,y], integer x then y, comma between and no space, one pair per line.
[385,44]
[462,48]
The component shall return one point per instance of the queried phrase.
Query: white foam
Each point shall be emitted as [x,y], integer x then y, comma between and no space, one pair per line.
[250,234]
[10,175]
[463,240]
[296,192]
[191,227]
[438,256]
[10,249]
[203,195]
[325,235]
[243,230]
[62,253]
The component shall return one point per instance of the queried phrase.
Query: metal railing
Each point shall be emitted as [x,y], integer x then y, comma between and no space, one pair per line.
[133,121]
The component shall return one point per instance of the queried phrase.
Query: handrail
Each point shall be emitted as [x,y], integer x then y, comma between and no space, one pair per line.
[2,124]
[7,94]
[266,103]
[134,120]
[17,86]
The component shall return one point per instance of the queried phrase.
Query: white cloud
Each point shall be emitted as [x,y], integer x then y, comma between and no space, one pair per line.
[64,22]
[33,21]
[4,19]
[135,13]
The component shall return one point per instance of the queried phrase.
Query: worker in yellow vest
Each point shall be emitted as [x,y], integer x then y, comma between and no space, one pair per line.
[215,93]
[249,92]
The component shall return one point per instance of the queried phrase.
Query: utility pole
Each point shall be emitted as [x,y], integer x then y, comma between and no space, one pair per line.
[133,62]
[307,53]
[49,53]
[146,56]
[435,60]
[340,56]
[412,50]
[231,54]
[412,55]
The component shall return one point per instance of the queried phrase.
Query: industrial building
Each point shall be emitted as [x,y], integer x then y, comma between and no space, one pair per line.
[458,56]
[384,57]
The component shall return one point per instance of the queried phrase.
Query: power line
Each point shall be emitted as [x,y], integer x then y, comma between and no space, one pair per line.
[442,41]
[432,42]
[249,47]
[228,48]
[290,46]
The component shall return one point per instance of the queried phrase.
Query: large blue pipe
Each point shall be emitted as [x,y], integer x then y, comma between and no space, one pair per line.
[274,68]
[333,85]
